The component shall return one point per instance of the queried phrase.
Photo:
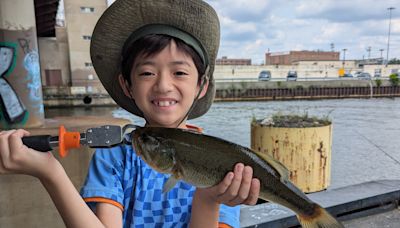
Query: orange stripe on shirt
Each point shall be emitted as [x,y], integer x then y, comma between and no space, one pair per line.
[223,225]
[103,200]
[194,128]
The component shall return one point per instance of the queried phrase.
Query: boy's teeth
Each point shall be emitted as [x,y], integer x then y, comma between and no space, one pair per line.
[165,103]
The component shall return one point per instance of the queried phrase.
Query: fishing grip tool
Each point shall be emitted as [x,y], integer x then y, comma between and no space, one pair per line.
[97,137]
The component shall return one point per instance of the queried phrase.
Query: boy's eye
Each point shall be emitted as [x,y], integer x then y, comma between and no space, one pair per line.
[181,73]
[146,74]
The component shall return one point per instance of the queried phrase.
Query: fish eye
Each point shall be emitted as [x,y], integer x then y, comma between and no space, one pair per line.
[146,138]
[150,140]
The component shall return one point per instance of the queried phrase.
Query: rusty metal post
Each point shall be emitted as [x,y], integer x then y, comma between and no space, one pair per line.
[306,152]
[20,82]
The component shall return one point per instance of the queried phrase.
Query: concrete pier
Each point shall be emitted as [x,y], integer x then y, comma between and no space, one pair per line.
[20,83]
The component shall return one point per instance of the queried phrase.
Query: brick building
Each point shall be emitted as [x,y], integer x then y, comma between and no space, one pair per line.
[288,58]
[225,61]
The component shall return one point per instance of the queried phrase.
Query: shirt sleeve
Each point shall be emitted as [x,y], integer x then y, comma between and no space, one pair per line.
[104,179]
[229,215]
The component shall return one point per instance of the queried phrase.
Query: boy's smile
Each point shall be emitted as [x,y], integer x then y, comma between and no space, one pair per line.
[164,86]
[164,102]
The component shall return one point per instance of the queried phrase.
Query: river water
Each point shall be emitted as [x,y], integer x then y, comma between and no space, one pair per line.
[366,132]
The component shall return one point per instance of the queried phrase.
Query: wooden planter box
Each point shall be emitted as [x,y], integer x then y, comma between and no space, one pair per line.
[306,152]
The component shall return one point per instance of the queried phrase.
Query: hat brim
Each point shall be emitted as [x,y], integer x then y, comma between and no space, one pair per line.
[116,24]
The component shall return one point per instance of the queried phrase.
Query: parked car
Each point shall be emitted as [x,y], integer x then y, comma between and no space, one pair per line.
[291,76]
[264,75]
[356,74]
[377,73]
[347,75]
[364,75]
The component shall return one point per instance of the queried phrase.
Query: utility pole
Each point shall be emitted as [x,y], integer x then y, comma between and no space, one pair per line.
[390,20]
[342,72]
[344,55]
[381,50]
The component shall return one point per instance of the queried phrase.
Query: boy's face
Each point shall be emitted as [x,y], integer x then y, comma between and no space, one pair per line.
[164,86]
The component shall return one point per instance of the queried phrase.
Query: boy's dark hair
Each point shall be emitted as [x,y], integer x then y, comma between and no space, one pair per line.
[153,44]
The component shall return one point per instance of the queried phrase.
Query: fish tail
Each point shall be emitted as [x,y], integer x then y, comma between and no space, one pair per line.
[319,219]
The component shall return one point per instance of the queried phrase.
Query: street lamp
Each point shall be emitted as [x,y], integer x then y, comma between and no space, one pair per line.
[390,20]
[369,52]
[344,55]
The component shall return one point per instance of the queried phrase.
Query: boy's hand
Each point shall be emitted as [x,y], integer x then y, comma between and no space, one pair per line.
[16,158]
[238,187]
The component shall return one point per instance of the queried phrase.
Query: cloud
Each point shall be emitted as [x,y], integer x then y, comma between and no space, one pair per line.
[395,26]
[234,30]
[242,10]
[251,28]
[345,11]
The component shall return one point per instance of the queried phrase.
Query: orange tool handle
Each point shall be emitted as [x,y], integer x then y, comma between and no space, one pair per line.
[44,143]
[67,140]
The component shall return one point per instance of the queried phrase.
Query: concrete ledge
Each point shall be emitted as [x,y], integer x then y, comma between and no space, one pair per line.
[342,83]
[345,203]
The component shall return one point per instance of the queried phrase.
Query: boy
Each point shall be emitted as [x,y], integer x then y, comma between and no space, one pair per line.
[156,59]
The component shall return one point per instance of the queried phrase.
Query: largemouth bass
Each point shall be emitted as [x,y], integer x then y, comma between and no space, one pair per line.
[203,161]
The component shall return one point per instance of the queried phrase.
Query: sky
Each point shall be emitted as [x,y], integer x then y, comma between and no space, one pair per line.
[251,28]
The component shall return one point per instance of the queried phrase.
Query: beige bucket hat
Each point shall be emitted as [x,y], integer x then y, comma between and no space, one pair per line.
[193,21]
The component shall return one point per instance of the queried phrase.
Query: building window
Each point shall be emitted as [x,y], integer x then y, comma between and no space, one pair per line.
[87,37]
[87,9]
[87,64]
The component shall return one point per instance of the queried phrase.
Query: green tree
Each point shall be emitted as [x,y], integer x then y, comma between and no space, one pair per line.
[394,79]
[394,61]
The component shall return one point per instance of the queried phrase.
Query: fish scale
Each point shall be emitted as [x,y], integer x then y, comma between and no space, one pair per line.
[212,168]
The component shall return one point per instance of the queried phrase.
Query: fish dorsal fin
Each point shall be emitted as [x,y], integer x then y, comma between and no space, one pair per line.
[281,169]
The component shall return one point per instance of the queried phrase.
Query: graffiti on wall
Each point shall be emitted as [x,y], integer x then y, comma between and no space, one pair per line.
[13,110]
[33,81]
[21,91]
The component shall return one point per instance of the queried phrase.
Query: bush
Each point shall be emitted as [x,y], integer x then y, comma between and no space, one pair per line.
[378,82]
[394,79]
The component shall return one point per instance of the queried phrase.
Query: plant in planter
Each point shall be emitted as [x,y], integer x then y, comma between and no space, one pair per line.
[301,143]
